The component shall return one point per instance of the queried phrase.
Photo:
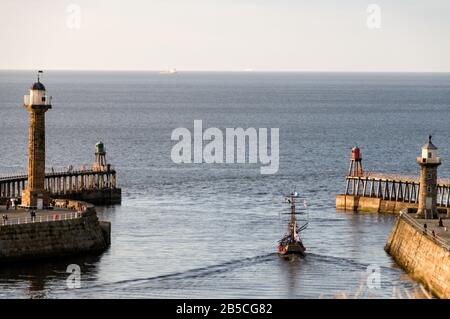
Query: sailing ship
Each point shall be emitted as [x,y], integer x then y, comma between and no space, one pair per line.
[291,243]
[169,71]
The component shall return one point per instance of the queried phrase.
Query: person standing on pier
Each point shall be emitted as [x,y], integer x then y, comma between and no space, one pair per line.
[5,219]
[33,216]
[8,203]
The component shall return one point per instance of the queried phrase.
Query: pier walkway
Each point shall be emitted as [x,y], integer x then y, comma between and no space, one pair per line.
[23,216]
[424,256]
[441,234]
[63,182]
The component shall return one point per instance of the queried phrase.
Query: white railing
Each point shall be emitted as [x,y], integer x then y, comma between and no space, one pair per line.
[427,160]
[414,223]
[46,100]
[388,176]
[41,219]
[81,169]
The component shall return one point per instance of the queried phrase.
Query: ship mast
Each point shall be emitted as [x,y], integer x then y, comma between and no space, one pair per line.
[293,222]
[291,242]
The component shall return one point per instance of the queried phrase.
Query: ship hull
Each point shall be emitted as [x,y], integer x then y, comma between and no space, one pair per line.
[291,249]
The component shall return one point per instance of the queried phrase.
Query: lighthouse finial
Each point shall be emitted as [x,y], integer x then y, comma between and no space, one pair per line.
[430,137]
[39,75]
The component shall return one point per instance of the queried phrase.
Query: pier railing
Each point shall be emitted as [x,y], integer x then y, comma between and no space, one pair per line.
[63,181]
[41,219]
[384,188]
[414,223]
[399,177]
[47,100]
[76,209]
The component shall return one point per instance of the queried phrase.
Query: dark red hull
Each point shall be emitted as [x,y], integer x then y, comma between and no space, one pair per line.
[291,249]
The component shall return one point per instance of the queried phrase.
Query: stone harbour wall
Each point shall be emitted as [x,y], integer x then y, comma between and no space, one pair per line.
[54,238]
[371,204]
[97,197]
[424,258]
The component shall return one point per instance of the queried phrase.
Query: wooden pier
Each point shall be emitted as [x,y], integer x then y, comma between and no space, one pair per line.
[394,188]
[387,193]
[97,185]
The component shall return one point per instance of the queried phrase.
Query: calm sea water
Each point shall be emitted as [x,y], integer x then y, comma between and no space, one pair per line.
[211,230]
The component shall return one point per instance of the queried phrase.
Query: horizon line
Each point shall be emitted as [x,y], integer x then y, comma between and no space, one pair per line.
[222,71]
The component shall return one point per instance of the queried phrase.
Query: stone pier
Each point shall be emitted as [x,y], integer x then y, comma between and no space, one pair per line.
[42,225]
[423,253]
[70,228]
[391,193]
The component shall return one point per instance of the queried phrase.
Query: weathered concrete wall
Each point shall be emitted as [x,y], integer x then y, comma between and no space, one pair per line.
[97,197]
[55,238]
[419,255]
[106,229]
[370,204]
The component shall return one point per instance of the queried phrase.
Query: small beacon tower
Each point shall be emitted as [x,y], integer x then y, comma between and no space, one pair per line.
[36,103]
[100,158]
[428,162]
[355,168]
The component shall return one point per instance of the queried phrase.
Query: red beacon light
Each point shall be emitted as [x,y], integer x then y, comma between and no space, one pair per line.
[356,154]
[355,168]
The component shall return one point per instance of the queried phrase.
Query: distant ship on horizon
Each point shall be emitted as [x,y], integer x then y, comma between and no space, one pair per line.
[169,71]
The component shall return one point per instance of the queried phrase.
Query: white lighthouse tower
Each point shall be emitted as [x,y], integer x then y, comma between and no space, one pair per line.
[36,103]
[428,162]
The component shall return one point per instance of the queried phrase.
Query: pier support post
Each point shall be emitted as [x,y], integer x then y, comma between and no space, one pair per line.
[82,181]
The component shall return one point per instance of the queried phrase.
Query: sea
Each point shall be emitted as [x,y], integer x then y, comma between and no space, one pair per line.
[210,230]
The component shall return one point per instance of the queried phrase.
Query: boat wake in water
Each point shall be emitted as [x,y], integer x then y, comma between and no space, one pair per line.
[221,280]
[198,244]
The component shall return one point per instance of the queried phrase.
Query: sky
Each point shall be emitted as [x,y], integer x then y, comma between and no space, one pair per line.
[226,35]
